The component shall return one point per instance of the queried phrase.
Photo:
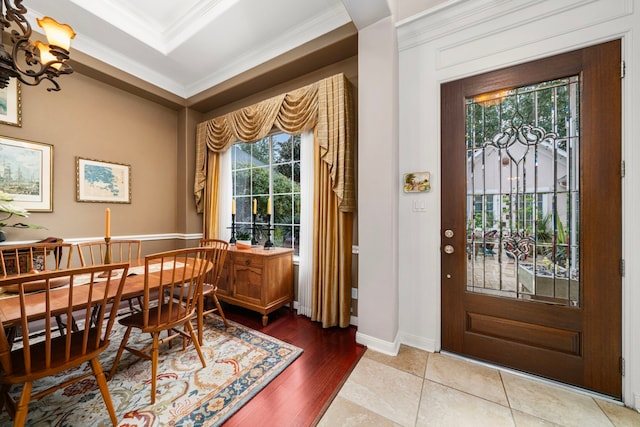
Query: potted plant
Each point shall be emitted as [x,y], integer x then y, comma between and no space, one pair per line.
[9,209]
[243,237]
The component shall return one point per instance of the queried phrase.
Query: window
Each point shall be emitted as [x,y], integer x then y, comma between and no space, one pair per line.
[268,169]
[484,211]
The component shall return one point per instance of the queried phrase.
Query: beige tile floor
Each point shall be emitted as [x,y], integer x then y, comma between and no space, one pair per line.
[417,388]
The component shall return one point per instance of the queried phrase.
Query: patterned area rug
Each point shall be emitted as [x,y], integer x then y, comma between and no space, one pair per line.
[240,362]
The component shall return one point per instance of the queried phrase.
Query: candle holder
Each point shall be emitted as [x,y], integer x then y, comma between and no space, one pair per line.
[107,252]
[254,241]
[268,243]
[233,229]
[107,258]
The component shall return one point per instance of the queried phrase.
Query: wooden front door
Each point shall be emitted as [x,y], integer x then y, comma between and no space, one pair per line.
[531,218]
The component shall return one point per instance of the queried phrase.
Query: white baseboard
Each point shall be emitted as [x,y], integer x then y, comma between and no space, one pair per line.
[376,344]
[418,342]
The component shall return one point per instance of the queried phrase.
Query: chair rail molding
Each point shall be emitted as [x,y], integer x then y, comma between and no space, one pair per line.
[143,237]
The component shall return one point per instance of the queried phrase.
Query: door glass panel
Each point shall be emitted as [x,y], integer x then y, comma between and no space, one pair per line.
[523,218]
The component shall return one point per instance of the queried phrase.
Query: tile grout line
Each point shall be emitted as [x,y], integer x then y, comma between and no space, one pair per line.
[504,389]
[424,378]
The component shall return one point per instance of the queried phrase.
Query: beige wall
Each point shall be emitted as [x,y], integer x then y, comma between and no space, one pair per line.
[93,120]
[189,221]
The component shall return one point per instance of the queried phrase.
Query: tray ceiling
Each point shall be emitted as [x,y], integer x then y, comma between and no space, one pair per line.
[189,46]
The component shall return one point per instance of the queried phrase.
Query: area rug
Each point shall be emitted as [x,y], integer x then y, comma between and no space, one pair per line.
[240,363]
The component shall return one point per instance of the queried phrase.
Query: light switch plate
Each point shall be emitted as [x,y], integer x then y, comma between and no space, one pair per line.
[419,205]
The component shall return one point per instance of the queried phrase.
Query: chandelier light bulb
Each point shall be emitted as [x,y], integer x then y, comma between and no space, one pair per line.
[46,56]
[57,34]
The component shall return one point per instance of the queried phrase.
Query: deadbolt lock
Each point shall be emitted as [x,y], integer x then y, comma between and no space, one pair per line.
[448,233]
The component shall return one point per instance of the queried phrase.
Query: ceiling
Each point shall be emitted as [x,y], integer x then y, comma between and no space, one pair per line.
[202,43]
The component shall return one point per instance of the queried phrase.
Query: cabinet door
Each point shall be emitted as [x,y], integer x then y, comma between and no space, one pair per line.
[247,277]
[224,285]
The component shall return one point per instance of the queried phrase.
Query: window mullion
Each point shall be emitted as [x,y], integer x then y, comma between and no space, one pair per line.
[270,195]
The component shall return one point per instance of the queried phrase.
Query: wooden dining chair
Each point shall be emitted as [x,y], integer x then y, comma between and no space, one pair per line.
[36,257]
[210,283]
[28,257]
[172,290]
[51,355]
[122,250]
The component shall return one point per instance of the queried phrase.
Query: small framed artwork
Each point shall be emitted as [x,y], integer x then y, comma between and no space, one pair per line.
[11,104]
[27,173]
[99,181]
[416,182]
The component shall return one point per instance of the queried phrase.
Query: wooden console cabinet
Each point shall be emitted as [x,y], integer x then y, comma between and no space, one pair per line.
[258,279]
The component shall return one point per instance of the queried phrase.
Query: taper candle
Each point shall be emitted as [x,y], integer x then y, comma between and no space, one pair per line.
[255,206]
[269,206]
[233,206]
[108,224]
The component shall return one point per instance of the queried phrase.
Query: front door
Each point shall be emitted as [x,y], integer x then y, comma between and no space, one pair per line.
[531,218]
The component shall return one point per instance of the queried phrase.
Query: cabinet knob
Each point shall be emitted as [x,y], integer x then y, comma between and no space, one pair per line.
[247,262]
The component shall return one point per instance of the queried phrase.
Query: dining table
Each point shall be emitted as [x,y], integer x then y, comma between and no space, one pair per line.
[10,314]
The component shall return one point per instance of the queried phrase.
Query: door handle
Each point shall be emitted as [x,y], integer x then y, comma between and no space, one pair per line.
[448,249]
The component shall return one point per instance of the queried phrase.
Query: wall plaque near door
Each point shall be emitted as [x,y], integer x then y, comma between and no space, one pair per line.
[416,182]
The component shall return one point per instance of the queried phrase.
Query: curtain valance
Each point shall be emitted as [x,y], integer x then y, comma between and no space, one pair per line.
[325,105]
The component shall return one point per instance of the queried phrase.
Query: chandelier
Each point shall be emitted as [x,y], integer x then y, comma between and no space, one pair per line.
[28,61]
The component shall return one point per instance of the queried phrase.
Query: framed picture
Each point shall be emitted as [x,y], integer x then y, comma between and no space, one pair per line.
[11,104]
[26,173]
[416,182]
[98,181]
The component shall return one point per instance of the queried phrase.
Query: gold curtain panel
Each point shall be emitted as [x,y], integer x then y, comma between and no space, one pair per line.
[325,105]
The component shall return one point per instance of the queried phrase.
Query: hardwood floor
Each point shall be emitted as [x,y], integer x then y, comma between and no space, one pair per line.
[299,395]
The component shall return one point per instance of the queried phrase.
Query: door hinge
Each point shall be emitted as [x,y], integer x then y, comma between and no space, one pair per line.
[622,267]
[623,169]
[623,69]
[622,366]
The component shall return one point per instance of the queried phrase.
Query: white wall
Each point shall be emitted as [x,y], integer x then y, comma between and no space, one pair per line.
[378,186]
[459,39]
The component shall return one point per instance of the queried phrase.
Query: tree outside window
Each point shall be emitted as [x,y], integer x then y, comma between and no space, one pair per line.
[268,168]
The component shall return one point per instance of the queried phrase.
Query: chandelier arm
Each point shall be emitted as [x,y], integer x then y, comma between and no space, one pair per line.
[37,79]
[16,14]
[25,62]
[5,23]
